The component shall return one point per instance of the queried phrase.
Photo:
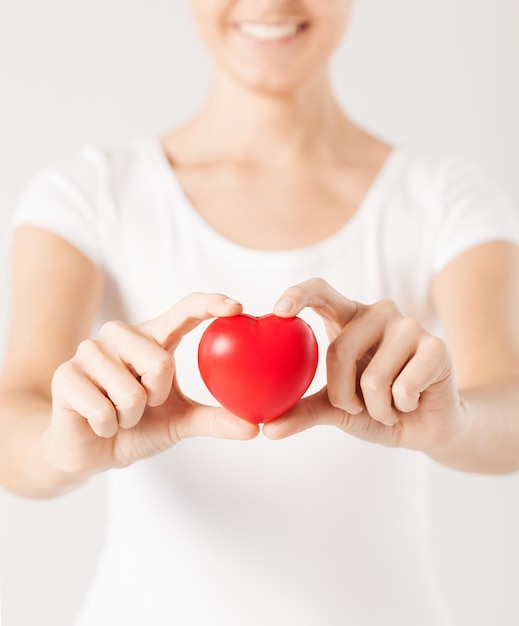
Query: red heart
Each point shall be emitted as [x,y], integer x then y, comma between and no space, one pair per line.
[258,367]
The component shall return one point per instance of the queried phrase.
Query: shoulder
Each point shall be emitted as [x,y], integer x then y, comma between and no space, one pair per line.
[464,205]
[443,187]
[449,176]
[81,196]
[93,180]
[94,168]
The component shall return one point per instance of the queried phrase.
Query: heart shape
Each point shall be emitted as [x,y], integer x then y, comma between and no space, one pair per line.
[258,367]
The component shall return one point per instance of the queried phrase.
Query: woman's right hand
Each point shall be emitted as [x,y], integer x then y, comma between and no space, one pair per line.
[118,401]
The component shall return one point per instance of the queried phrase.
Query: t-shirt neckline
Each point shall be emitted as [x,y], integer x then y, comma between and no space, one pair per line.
[181,200]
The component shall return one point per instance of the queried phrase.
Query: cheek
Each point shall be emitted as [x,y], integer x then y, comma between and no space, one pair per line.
[337,9]
[209,18]
[332,16]
[327,38]
[330,24]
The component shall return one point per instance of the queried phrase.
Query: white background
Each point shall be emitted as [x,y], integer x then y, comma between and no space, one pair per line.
[440,75]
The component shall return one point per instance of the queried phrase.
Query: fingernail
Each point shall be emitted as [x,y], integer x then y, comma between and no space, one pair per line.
[231,301]
[355,410]
[390,423]
[285,304]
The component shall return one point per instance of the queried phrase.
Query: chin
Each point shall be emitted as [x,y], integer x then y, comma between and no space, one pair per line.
[274,88]
[271,82]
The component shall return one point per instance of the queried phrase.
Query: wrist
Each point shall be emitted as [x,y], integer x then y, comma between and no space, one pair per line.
[454,447]
[484,437]
[52,477]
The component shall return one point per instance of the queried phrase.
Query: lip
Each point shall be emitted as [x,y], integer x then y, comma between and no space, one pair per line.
[270,32]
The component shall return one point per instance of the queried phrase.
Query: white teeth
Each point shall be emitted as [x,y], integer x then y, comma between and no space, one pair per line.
[268,32]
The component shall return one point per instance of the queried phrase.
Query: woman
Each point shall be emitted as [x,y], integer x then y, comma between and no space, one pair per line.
[269,186]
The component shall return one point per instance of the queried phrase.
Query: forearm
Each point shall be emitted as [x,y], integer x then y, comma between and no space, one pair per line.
[24,465]
[488,440]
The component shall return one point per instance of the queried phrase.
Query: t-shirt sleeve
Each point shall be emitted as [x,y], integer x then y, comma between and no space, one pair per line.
[62,200]
[474,210]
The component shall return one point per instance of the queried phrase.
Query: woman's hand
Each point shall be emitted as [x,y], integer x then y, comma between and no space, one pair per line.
[388,380]
[117,400]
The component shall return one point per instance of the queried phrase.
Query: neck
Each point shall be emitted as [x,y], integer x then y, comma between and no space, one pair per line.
[242,123]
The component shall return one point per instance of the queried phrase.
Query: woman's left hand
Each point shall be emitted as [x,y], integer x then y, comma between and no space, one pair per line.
[388,380]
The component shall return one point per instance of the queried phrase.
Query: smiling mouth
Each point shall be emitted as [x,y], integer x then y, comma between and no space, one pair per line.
[262,31]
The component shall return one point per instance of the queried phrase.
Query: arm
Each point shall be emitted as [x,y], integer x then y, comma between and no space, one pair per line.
[71,406]
[477,296]
[55,295]
[391,382]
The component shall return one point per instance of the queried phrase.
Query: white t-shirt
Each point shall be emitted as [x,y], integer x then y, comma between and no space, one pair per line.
[319,528]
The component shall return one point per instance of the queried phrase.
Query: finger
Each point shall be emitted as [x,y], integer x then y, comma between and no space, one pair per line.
[142,357]
[169,328]
[316,293]
[116,382]
[430,365]
[75,393]
[376,382]
[344,356]
[315,410]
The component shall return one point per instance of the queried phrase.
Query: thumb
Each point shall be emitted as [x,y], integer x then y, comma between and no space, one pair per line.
[199,420]
[311,411]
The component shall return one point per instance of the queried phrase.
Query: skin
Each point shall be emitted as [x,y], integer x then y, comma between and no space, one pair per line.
[71,406]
